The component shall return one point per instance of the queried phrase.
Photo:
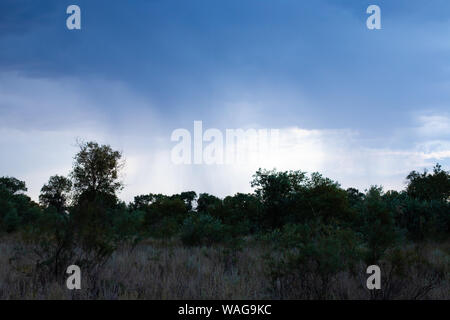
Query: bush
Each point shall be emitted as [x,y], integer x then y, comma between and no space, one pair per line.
[203,229]
[308,258]
[162,215]
[51,238]
[16,209]
[422,219]
[409,273]
[377,226]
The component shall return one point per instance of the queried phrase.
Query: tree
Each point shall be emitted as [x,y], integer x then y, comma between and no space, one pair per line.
[16,209]
[293,197]
[326,200]
[210,204]
[202,229]
[164,216]
[188,197]
[378,225]
[88,231]
[96,169]
[243,212]
[56,193]
[277,190]
[426,186]
[96,211]
[12,185]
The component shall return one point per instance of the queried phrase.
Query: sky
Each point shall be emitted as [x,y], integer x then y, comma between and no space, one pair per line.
[361,106]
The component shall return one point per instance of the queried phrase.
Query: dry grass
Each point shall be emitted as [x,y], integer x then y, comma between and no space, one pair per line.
[167,270]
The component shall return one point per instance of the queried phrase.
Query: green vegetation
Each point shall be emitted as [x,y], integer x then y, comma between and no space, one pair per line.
[312,230]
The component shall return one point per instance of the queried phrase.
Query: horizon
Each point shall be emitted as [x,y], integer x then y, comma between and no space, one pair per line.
[308,174]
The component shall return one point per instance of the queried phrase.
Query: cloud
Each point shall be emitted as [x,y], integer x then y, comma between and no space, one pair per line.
[40,120]
[434,125]
[35,155]
[339,154]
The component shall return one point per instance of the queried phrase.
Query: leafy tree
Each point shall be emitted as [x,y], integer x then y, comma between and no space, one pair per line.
[326,200]
[56,193]
[355,197]
[210,204]
[52,232]
[188,198]
[422,219]
[12,185]
[429,186]
[202,229]
[95,175]
[243,212]
[94,226]
[52,235]
[16,209]
[96,169]
[293,197]
[378,225]
[163,215]
[276,191]
[93,220]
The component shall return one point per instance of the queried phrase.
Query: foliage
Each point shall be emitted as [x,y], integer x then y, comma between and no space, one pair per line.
[56,193]
[426,186]
[293,197]
[16,209]
[308,259]
[163,215]
[243,212]
[96,169]
[377,226]
[409,274]
[202,229]
[87,232]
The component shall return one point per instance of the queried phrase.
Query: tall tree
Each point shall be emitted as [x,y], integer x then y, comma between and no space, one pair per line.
[56,193]
[12,185]
[16,209]
[429,186]
[96,169]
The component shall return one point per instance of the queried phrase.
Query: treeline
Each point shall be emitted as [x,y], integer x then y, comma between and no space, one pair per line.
[80,220]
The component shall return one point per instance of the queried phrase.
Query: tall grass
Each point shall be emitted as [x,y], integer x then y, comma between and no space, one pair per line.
[168,270]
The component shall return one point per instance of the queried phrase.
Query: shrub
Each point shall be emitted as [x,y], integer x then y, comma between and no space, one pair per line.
[377,226]
[16,209]
[202,229]
[407,273]
[51,238]
[422,219]
[308,258]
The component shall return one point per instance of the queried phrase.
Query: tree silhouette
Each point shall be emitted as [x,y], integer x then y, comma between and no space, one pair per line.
[56,193]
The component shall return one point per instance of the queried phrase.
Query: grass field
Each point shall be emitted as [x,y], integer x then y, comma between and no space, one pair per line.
[167,270]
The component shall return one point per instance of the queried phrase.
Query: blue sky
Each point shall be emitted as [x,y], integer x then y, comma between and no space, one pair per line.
[363,106]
